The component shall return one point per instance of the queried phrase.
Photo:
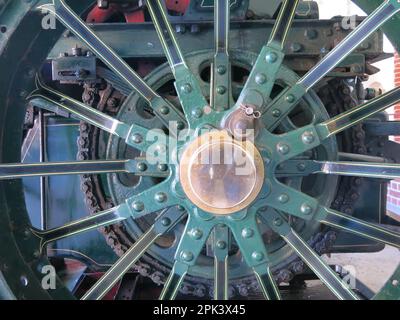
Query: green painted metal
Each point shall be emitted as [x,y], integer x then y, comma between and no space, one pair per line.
[276,149]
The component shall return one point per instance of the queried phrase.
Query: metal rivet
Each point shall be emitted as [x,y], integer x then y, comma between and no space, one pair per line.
[187,256]
[296,47]
[271,57]
[258,256]
[142,166]
[180,125]
[290,98]
[301,166]
[283,148]
[187,88]
[162,167]
[196,234]
[247,233]
[221,70]
[160,197]
[221,244]
[283,198]
[27,233]
[165,222]
[164,110]
[197,113]
[138,206]
[306,209]
[395,283]
[308,137]
[261,78]
[221,90]
[311,33]
[278,222]
[24,281]
[137,138]
[276,113]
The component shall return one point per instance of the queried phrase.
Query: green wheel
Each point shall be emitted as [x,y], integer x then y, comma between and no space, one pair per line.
[213,180]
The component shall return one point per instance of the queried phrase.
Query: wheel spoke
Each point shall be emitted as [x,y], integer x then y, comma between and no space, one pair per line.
[356,115]
[138,167]
[374,21]
[310,257]
[288,99]
[174,281]
[221,84]
[74,23]
[355,169]
[362,228]
[259,86]
[283,23]
[47,98]
[220,247]
[190,245]
[165,33]
[253,249]
[100,219]
[187,86]
[267,283]
[164,223]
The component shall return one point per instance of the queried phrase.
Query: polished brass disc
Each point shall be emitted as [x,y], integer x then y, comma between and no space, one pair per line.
[221,175]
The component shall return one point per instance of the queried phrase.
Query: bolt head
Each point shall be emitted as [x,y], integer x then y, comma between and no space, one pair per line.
[138,206]
[258,256]
[261,78]
[283,148]
[141,166]
[301,167]
[283,198]
[306,209]
[308,137]
[196,234]
[164,110]
[187,88]
[247,233]
[162,167]
[24,281]
[197,113]
[165,222]
[221,70]
[160,197]
[290,98]
[278,222]
[187,256]
[137,138]
[271,57]
[276,113]
[221,244]
[180,125]
[221,90]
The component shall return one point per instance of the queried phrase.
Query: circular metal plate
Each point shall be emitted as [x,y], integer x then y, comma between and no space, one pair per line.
[221,175]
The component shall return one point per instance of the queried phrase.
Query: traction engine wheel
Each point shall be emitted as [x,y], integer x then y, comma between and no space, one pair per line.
[220,167]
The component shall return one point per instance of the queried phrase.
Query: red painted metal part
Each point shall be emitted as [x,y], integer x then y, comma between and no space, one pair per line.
[179,6]
[135,16]
[97,15]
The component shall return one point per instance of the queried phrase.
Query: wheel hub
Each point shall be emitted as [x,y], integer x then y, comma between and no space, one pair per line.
[221,175]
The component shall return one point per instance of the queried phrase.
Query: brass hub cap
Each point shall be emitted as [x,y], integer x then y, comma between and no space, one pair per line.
[221,175]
